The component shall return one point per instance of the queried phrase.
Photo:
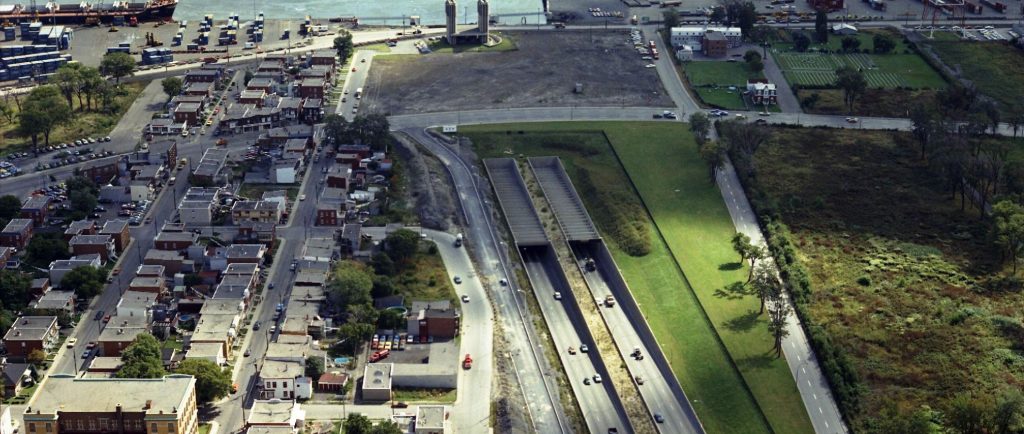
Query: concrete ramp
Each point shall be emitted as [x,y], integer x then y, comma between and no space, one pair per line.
[565,202]
[523,221]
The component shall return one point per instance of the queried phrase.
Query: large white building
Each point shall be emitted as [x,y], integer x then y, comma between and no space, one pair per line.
[693,36]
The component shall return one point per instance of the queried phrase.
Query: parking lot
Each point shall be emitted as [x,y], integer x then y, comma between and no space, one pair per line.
[543,71]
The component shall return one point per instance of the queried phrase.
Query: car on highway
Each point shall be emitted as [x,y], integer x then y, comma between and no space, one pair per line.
[302,197]
[852,120]
[584,348]
[597,378]
[657,116]
[247,353]
[106,318]
[659,418]
[86,354]
[70,343]
[90,345]
[256,325]
[271,286]
[558,295]
[639,380]
[465,298]
[586,381]
[503,282]
[98,316]
[457,280]
[572,350]
[353,69]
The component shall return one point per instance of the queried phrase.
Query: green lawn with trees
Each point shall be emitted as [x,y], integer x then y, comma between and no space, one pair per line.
[76,103]
[721,83]
[991,67]
[700,362]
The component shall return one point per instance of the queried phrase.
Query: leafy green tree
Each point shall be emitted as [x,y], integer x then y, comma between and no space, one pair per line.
[45,248]
[343,45]
[356,423]
[212,382]
[86,281]
[801,42]
[383,286]
[751,55]
[1009,229]
[755,66]
[670,18]
[315,367]
[402,245]
[352,334]
[141,359]
[82,183]
[756,253]
[92,84]
[700,125]
[172,86]
[382,264]
[16,286]
[883,43]
[36,357]
[362,313]
[713,154]
[68,79]
[742,14]
[853,84]
[741,245]
[850,44]
[10,207]
[1009,413]
[893,421]
[83,202]
[43,110]
[351,284]
[386,427]
[970,414]
[764,284]
[390,319]
[117,65]
[372,130]
[336,129]
[821,26]
[811,100]
[778,312]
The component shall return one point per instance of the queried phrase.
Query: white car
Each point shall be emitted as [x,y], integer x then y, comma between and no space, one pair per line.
[70,343]
[852,120]
[650,65]
[302,197]
[558,295]
[465,298]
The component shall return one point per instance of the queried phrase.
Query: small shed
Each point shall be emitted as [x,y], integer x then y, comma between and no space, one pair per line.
[333,382]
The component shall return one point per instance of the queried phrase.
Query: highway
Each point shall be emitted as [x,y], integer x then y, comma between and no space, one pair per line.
[598,402]
[659,395]
[540,392]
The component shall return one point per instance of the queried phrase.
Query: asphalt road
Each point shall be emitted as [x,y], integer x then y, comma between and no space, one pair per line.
[599,403]
[658,394]
[354,80]
[544,409]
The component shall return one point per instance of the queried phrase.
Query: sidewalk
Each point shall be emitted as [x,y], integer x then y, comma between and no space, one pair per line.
[814,389]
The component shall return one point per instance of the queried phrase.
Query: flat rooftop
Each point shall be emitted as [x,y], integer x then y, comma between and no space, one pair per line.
[430,417]
[63,392]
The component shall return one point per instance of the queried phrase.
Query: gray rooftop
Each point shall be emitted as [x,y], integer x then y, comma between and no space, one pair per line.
[430,417]
[565,203]
[89,239]
[17,226]
[515,202]
[63,392]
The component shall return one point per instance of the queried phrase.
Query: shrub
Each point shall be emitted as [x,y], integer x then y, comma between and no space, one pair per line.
[616,216]
[864,281]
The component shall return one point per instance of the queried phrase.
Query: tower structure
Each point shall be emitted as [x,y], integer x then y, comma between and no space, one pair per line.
[483,18]
[451,15]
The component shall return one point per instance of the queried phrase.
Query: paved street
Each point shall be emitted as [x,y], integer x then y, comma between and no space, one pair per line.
[348,105]
[538,387]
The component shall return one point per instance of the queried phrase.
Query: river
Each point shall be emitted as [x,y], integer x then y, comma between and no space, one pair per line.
[377,12]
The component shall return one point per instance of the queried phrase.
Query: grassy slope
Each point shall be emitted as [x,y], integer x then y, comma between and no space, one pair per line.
[669,304]
[692,217]
[994,68]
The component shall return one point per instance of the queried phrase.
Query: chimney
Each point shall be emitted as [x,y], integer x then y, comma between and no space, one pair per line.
[149,404]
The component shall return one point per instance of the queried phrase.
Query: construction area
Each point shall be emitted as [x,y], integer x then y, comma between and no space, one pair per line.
[554,69]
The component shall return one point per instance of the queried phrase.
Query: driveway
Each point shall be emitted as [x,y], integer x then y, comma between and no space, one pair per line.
[788,102]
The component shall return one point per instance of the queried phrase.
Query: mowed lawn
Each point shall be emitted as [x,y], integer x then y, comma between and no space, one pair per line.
[689,212]
[699,361]
[712,79]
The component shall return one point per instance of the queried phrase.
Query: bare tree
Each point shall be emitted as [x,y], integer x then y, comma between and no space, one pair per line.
[778,313]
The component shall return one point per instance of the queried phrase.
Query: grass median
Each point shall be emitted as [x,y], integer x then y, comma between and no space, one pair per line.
[700,363]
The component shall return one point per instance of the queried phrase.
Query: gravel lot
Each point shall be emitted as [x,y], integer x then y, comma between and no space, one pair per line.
[541,72]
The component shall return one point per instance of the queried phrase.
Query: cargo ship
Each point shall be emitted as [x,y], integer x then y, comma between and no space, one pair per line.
[88,13]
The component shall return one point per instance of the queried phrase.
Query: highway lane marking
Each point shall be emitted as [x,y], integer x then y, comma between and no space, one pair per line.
[809,383]
[819,410]
[803,369]
[815,395]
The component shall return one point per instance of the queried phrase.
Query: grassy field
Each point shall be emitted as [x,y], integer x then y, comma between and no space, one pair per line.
[703,367]
[426,279]
[506,44]
[992,67]
[446,396]
[903,280]
[875,102]
[816,67]
[84,124]
[712,81]
[255,191]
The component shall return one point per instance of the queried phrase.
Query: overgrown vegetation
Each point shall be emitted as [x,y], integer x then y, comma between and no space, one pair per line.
[991,67]
[905,299]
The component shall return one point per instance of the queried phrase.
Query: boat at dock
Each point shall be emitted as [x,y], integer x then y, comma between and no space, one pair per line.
[88,13]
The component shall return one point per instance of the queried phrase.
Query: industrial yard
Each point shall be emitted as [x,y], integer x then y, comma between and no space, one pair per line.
[542,71]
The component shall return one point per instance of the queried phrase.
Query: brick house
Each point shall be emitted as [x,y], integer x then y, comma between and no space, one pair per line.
[36,208]
[246,253]
[118,232]
[312,88]
[188,113]
[175,241]
[102,245]
[17,233]
[254,96]
[312,110]
[200,89]
[256,232]
[322,57]
[79,227]
[30,333]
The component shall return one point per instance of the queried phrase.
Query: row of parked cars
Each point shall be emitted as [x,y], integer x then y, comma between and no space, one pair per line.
[71,157]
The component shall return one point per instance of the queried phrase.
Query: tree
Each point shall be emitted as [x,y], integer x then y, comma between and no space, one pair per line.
[343,45]
[386,427]
[36,357]
[883,43]
[82,183]
[821,26]
[363,313]
[117,65]
[86,281]
[778,311]
[811,100]
[853,84]
[801,42]
[383,286]
[922,119]
[671,19]
[336,128]
[713,153]
[756,253]
[69,80]
[44,249]
[700,125]
[382,265]
[390,319]
[82,202]
[172,86]
[42,111]
[764,283]
[356,423]
[141,359]
[741,245]
[1009,413]
[212,382]
[372,129]
[755,66]
[751,55]
[10,207]
[92,84]
[893,421]
[743,137]
[1009,229]
[968,414]
[16,286]
[402,245]
[352,334]
[351,284]
[850,44]
[742,14]
[315,367]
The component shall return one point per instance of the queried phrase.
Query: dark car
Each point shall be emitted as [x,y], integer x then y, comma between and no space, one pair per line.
[256,326]
[86,354]
[99,316]
[659,418]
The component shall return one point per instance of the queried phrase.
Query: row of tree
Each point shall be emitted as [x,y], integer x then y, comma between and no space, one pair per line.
[371,129]
[142,359]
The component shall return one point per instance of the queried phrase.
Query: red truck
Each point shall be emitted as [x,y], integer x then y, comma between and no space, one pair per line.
[467,362]
[379,355]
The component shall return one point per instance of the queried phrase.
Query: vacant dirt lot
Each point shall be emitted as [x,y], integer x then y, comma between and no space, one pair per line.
[540,73]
